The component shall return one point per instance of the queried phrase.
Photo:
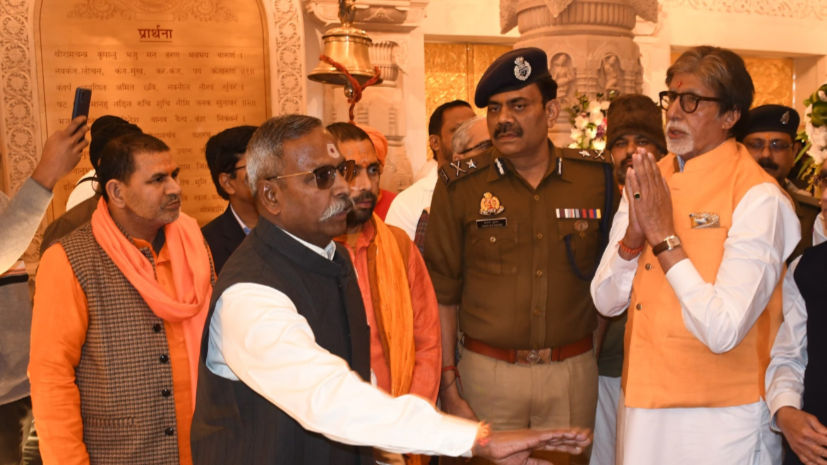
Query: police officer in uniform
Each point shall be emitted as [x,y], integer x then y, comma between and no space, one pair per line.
[513,239]
[769,135]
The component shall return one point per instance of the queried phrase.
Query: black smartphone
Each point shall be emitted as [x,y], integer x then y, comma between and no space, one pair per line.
[83,97]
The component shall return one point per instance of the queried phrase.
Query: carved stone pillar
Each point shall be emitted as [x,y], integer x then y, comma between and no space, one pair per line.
[397,50]
[588,42]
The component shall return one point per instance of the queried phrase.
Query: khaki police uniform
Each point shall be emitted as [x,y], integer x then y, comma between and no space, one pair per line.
[518,262]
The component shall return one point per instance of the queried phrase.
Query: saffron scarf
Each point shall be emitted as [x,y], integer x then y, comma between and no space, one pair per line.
[191,271]
[394,311]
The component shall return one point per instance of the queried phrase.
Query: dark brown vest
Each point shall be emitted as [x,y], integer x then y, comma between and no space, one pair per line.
[124,365]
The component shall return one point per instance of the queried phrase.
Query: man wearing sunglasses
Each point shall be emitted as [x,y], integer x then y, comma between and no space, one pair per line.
[769,135]
[285,357]
[228,169]
[471,139]
[400,305]
[696,254]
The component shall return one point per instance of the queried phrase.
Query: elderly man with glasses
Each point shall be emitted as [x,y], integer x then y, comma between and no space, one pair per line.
[285,357]
[769,135]
[696,254]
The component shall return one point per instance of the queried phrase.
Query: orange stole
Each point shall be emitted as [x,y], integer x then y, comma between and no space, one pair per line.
[665,365]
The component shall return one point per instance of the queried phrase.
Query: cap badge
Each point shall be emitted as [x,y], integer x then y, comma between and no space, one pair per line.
[490,205]
[522,69]
[785,118]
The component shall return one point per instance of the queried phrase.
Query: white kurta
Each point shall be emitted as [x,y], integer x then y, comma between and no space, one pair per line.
[258,337]
[407,206]
[764,232]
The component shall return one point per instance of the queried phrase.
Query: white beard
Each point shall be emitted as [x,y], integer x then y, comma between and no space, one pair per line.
[681,146]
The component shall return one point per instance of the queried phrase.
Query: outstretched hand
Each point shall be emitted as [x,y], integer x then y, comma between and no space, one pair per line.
[515,447]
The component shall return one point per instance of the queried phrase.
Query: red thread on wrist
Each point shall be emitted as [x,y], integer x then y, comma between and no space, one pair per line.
[457,379]
[628,250]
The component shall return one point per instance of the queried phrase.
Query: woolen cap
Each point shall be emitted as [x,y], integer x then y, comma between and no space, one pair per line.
[511,71]
[775,118]
[634,114]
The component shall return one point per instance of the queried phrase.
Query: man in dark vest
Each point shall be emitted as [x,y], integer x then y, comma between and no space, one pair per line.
[797,375]
[285,356]
[119,309]
[228,163]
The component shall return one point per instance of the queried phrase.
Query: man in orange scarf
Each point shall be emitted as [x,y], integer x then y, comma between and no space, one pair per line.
[118,314]
[399,298]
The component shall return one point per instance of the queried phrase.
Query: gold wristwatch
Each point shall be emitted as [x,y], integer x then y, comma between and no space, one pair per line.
[671,242]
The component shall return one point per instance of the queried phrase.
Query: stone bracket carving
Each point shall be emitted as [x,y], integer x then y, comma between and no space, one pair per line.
[378,15]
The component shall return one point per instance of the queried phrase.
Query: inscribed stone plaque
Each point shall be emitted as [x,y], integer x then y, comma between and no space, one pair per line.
[182,71]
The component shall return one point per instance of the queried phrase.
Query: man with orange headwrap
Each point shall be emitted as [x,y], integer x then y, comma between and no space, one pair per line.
[405,342]
[380,146]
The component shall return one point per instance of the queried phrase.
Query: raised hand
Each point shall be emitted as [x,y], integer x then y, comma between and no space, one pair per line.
[61,153]
[653,205]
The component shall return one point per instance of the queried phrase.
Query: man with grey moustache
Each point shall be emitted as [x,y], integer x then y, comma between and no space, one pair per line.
[696,254]
[285,355]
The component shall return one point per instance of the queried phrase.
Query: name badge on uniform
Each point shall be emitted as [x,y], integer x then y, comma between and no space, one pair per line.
[578,213]
[705,220]
[492,223]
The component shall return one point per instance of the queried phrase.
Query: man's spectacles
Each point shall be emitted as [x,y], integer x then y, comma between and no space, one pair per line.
[373,169]
[821,180]
[775,145]
[326,174]
[688,101]
[482,146]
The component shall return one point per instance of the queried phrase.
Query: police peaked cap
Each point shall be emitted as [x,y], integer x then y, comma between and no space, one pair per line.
[511,71]
[771,118]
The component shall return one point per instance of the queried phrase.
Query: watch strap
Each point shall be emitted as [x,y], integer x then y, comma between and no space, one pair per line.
[669,243]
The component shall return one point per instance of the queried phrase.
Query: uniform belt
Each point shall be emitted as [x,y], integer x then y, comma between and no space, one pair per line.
[531,357]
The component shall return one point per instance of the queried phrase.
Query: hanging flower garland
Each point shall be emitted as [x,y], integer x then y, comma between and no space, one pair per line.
[588,121]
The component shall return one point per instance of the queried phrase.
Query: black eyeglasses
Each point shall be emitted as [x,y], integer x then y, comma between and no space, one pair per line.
[688,101]
[775,145]
[373,169]
[326,174]
[821,180]
[482,146]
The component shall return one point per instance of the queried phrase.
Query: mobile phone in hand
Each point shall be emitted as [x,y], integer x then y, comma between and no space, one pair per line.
[83,97]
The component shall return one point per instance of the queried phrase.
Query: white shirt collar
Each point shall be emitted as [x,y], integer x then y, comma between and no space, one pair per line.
[328,252]
[241,223]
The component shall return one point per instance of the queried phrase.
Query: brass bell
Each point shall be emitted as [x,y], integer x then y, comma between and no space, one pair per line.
[348,46]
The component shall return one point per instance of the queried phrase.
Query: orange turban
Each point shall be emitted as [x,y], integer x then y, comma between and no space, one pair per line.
[380,143]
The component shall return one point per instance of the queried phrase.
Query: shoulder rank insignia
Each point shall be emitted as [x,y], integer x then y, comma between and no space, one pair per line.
[490,205]
[585,155]
[454,170]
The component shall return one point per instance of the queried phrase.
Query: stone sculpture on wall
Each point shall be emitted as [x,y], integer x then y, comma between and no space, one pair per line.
[590,44]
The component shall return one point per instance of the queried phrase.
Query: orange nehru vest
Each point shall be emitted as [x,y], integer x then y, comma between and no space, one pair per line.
[665,365]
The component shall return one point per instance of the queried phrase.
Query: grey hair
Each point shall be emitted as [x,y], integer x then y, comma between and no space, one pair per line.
[462,136]
[724,72]
[265,151]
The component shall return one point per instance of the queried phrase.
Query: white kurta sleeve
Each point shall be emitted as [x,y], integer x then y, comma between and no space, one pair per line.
[764,231]
[258,337]
[785,374]
[611,286]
